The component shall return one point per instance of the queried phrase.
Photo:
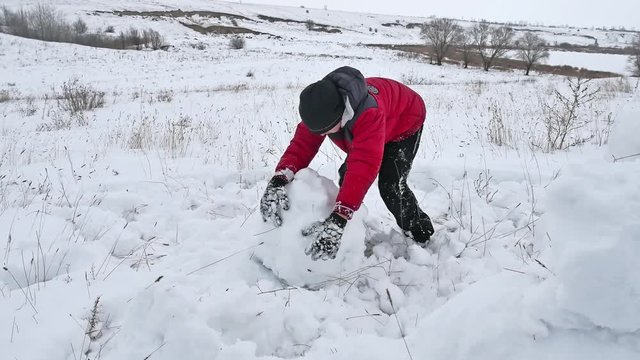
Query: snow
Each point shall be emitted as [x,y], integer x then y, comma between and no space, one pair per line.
[623,139]
[151,208]
[589,259]
[600,62]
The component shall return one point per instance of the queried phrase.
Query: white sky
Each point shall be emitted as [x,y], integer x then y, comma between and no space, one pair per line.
[585,13]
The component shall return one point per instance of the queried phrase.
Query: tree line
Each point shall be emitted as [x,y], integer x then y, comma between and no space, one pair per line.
[489,43]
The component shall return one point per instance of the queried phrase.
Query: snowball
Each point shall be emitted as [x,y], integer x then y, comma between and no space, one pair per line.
[311,199]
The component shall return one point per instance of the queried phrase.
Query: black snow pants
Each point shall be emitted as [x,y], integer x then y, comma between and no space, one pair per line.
[392,183]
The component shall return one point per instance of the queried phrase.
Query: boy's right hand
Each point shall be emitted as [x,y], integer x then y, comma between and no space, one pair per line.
[274,200]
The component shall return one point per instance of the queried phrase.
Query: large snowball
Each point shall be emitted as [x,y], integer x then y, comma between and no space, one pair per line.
[311,198]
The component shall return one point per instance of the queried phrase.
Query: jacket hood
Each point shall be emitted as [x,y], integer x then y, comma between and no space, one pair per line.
[351,84]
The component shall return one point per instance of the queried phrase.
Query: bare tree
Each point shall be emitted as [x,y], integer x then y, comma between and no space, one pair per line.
[48,23]
[532,49]
[440,34]
[465,46]
[79,26]
[491,42]
[634,58]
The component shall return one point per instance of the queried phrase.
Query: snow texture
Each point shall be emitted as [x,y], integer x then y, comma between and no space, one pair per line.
[136,233]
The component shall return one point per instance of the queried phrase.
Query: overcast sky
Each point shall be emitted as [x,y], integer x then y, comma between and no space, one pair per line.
[585,13]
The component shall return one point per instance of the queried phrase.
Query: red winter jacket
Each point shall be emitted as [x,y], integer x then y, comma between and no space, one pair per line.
[384,111]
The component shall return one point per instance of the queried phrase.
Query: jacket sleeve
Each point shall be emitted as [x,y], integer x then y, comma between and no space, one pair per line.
[363,162]
[301,150]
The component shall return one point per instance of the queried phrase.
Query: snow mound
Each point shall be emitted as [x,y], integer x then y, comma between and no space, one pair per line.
[623,140]
[311,199]
[593,220]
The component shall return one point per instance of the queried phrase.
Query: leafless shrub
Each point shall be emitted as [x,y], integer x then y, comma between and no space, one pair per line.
[199,45]
[79,26]
[165,96]
[77,97]
[560,116]
[231,87]
[28,107]
[491,42]
[310,24]
[110,29]
[5,96]
[236,43]
[532,49]
[440,34]
[132,38]
[154,39]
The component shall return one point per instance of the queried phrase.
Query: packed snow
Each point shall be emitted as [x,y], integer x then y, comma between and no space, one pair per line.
[135,233]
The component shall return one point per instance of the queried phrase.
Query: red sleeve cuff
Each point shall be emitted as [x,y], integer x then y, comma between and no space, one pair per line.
[343,210]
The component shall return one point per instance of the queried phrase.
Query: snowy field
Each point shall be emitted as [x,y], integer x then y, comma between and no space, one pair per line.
[132,231]
[618,64]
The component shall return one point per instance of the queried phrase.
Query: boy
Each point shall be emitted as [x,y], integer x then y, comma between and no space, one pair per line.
[378,123]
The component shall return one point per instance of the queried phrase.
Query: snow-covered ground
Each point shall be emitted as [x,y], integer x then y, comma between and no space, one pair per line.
[145,210]
[602,62]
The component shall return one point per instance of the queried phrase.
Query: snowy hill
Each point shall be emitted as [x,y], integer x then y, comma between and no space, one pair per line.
[131,231]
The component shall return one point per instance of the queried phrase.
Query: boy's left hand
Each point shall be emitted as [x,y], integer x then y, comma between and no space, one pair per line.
[327,237]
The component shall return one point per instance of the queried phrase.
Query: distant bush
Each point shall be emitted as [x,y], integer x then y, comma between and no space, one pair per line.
[154,39]
[46,23]
[237,43]
[310,24]
[80,27]
[4,96]
[77,97]
[165,96]
[110,29]
[199,46]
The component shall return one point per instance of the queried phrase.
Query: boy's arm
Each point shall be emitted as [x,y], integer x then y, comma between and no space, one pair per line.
[301,150]
[363,162]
